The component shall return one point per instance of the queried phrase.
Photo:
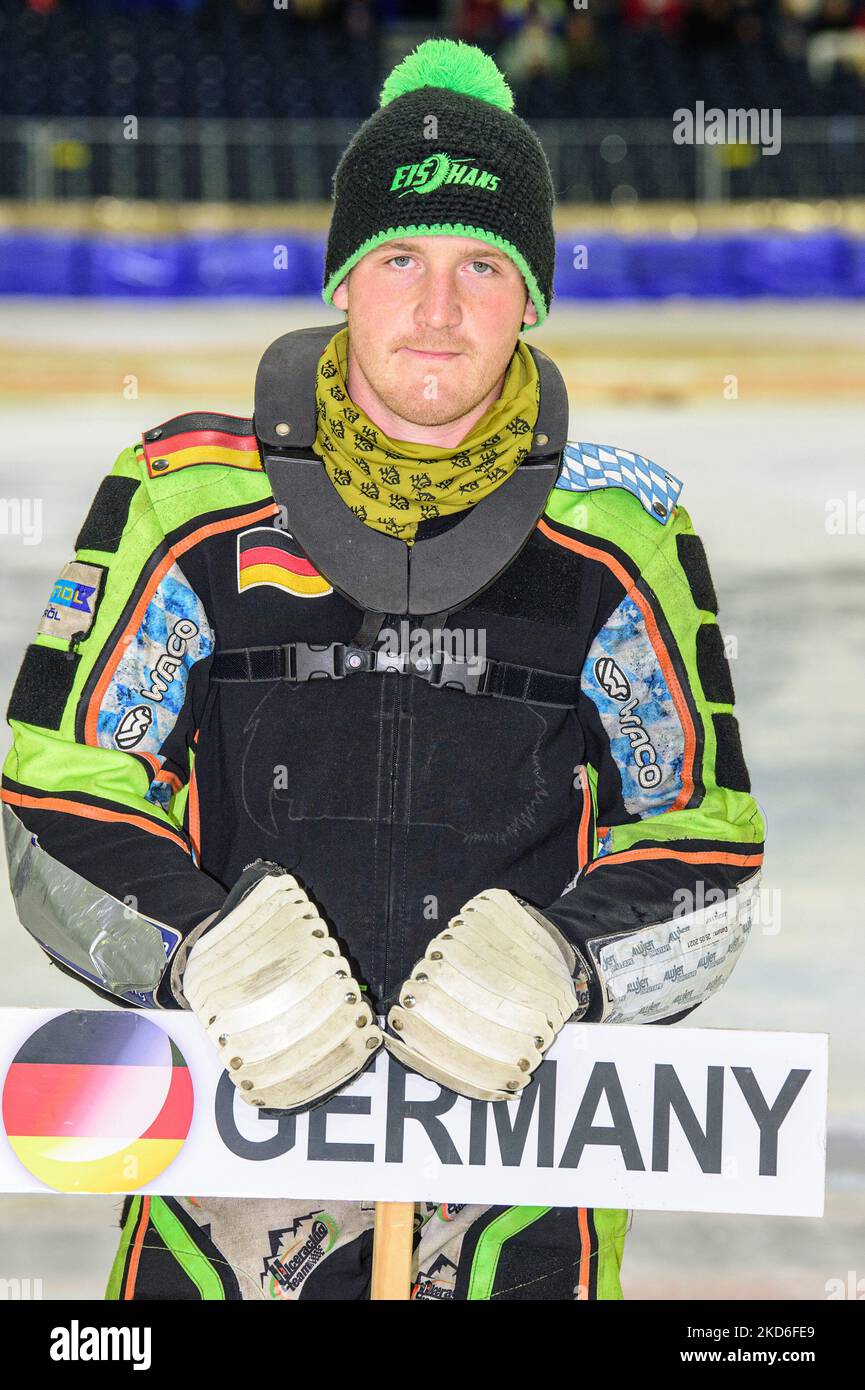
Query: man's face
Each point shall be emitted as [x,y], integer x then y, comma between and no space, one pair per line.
[433,322]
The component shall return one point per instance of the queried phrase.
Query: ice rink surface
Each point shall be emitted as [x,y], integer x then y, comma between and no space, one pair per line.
[758,408]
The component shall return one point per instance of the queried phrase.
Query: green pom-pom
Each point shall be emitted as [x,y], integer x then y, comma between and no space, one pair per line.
[449,63]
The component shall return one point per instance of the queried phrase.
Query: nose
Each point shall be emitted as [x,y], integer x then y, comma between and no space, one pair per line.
[438,305]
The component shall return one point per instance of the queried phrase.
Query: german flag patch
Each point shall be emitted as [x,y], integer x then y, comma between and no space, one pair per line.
[200,438]
[266,555]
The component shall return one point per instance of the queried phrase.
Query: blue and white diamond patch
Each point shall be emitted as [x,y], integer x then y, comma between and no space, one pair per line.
[588,467]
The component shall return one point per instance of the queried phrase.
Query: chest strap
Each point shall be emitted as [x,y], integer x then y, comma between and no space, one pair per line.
[308,661]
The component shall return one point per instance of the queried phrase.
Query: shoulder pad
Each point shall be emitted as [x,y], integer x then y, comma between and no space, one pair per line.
[200,438]
[589,467]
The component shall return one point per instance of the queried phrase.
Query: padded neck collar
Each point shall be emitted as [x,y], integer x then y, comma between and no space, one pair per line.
[377,572]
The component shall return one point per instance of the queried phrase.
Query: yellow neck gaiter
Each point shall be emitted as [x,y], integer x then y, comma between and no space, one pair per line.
[393,485]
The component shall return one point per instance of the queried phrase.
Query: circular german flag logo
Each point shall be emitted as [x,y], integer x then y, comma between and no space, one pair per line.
[266,555]
[97,1102]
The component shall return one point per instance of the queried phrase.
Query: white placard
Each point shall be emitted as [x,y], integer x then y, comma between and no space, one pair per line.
[648,1117]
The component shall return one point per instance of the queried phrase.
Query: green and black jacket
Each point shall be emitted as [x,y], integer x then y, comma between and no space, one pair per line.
[141,783]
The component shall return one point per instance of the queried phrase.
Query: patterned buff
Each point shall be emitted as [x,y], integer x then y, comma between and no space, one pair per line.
[393,485]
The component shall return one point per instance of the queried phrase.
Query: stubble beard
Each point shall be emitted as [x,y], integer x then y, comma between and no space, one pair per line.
[410,403]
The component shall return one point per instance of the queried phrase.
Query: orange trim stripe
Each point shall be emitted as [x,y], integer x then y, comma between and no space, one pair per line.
[660,649]
[137,1245]
[170,778]
[585,1251]
[627,856]
[583,847]
[193,810]
[78,808]
[150,758]
[213,529]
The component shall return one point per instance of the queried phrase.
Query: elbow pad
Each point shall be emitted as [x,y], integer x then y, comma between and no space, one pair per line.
[662,968]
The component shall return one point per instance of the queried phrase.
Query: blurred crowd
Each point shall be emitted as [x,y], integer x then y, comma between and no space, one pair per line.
[562,56]
[552,31]
[535,37]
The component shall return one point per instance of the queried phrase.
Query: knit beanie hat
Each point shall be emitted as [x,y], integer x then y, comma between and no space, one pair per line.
[445,154]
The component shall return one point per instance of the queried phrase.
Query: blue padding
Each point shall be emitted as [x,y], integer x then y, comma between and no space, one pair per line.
[793,266]
[258,263]
[149,267]
[604,267]
[44,263]
[854,276]
[280,264]
[698,267]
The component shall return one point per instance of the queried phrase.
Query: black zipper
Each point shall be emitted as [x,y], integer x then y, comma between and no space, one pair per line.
[396,713]
[396,733]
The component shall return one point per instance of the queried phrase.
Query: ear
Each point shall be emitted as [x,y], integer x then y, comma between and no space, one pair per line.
[530,315]
[339,298]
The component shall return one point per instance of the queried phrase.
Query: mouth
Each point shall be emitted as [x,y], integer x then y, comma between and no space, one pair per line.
[432,356]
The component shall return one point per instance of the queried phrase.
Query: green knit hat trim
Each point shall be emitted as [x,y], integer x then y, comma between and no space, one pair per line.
[445,229]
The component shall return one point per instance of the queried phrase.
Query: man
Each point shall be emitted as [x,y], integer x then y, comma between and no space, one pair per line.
[389,691]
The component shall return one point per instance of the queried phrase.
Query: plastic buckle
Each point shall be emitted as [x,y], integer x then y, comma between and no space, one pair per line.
[310,661]
[459,675]
[385,661]
[357,659]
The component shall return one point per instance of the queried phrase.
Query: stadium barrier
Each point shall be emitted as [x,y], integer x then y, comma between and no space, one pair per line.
[592,263]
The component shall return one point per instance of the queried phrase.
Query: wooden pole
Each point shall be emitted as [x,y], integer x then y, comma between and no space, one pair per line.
[391,1250]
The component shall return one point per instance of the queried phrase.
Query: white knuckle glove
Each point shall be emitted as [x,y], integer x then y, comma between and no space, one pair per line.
[271,989]
[485,1003]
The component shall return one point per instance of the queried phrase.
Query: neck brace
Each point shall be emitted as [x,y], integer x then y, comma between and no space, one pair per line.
[377,572]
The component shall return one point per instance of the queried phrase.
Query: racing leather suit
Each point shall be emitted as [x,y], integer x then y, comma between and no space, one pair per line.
[209,685]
